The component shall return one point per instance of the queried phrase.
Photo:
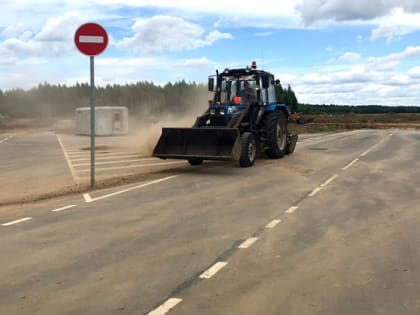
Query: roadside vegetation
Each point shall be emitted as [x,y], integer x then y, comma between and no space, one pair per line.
[45,104]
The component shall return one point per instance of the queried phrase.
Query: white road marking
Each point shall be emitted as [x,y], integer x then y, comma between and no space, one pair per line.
[88,198]
[247,243]
[106,157]
[17,221]
[98,169]
[86,154]
[213,270]
[109,162]
[292,209]
[91,39]
[329,180]
[76,178]
[372,147]
[323,185]
[272,223]
[366,152]
[165,307]
[63,208]
[5,139]
[350,164]
[315,191]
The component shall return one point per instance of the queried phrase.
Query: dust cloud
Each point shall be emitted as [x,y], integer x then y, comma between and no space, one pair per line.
[144,133]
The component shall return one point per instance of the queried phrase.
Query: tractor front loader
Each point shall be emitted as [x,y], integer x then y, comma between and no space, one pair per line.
[242,121]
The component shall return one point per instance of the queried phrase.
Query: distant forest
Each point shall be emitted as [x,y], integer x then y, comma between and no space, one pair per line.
[141,98]
[146,98]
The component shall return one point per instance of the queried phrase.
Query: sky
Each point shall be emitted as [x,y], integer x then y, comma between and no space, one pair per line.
[330,51]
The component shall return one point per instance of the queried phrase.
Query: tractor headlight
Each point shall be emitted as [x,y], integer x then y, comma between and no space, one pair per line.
[232,110]
[222,112]
[212,111]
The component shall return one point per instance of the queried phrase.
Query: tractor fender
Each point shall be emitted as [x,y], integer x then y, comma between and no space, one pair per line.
[281,107]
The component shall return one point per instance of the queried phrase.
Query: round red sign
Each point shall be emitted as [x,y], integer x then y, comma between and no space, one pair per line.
[91,39]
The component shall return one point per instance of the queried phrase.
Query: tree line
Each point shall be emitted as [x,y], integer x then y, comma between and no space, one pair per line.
[311,109]
[141,98]
[288,97]
[145,99]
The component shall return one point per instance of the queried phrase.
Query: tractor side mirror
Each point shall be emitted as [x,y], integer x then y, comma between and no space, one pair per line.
[265,82]
[276,82]
[211,84]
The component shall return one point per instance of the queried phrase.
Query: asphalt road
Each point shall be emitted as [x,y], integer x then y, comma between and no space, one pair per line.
[36,165]
[331,229]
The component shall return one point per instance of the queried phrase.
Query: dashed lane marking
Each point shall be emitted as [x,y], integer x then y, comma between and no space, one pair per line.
[213,270]
[88,198]
[350,164]
[365,153]
[17,221]
[247,243]
[292,209]
[64,208]
[315,191]
[371,148]
[165,307]
[329,180]
[272,224]
[323,185]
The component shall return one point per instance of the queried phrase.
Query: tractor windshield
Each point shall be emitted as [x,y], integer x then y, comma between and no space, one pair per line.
[243,86]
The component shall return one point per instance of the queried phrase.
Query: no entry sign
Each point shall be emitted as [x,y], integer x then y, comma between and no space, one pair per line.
[91,39]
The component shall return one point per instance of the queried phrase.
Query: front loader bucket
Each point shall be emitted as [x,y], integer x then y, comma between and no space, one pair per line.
[199,143]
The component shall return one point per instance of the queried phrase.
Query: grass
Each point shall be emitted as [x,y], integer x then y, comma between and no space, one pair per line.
[333,123]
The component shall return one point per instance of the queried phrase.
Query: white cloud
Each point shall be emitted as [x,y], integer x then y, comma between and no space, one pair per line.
[263,34]
[171,33]
[397,24]
[344,10]
[202,62]
[220,7]
[349,57]
[13,30]
[54,39]
[395,58]
[414,73]
[377,80]
[60,28]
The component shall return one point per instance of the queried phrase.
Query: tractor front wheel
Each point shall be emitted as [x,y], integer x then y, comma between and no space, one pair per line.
[248,150]
[275,134]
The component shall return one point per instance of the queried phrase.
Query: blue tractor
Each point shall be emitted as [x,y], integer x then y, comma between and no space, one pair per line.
[242,121]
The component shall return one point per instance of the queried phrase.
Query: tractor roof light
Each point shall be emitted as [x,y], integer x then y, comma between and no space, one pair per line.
[254,65]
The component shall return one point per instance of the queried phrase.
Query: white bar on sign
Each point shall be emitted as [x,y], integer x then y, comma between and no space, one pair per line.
[91,39]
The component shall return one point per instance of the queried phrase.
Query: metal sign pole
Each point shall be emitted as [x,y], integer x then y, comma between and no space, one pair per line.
[92,122]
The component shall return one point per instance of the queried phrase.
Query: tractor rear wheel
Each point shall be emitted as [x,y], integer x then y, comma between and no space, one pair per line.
[193,161]
[275,134]
[248,150]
